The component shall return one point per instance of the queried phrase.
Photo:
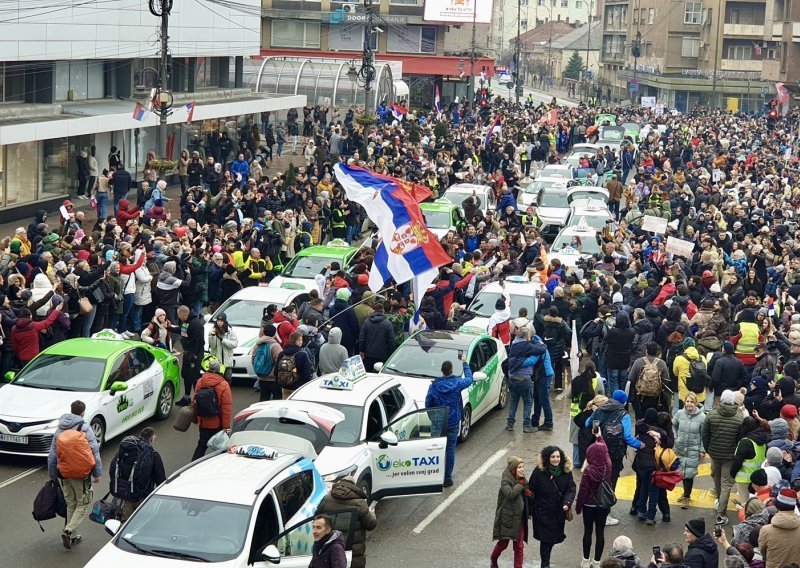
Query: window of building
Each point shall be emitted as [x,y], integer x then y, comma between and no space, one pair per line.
[345,37]
[540,2]
[207,72]
[412,39]
[524,24]
[745,16]
[692,13]
[635,15]
[579,4]
[55,166]
[651,16]
[405,2]
[772,53]
[523,2]
[23,178]
[565,3]
[690,47]
[295,33]
[740,52]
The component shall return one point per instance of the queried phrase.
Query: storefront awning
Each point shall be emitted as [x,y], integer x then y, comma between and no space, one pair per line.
[110,116]
[401,90]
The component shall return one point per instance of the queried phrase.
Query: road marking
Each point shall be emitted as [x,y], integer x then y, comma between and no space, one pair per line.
[19,476]
[477,474]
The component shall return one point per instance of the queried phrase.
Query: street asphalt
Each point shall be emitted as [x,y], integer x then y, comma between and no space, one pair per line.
[454,529]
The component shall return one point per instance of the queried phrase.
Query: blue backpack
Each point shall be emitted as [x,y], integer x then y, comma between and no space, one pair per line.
[262,360]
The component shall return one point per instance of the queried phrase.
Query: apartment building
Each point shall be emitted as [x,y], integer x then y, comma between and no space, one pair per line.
[71,73]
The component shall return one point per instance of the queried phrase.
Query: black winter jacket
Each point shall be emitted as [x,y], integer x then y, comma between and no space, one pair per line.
[702,553]
[376,339]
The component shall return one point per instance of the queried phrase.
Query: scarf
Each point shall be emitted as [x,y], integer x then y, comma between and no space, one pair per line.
[555,471]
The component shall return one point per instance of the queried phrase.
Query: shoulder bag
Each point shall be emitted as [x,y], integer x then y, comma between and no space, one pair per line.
[605,496]
[84,304]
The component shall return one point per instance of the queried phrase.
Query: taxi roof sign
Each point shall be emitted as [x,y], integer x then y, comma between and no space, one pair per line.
[338,243]
[516,278]
[108,334]
[351,371]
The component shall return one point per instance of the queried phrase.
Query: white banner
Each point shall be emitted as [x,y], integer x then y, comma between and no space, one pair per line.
[648,102]
[680,247]
[654,224]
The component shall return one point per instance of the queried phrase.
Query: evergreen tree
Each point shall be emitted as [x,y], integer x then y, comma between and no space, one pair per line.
[440,130]
[574,67]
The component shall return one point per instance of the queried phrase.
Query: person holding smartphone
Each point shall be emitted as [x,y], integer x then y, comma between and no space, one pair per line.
[598,469]
[668,556]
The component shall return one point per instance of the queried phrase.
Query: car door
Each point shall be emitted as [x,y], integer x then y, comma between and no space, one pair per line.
[151,377]
[415,464]
[121,409]
[478,393]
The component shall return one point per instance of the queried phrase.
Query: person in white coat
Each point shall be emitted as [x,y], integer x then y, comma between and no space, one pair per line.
[143,295]
[221,342]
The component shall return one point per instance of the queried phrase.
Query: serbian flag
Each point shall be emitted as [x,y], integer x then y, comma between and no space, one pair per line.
[550,117]
[190,108]
[756,49]
[139,112]
[496,125]
[398,111]
[437,101]
[408,251]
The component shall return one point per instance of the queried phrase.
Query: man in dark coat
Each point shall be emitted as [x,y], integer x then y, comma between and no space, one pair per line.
[328,551]
[702,551]
[376,340]
[345,319]
[345,495]
[557,335]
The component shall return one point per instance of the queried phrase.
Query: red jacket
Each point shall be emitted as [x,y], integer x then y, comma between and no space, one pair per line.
[224,398]
[124,214]
[667,291]
[131,268]
[25,335]
[285,327]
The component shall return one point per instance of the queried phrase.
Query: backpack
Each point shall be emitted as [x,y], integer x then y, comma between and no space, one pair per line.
[287,375]
[75,455]
[49,502]
[206,403]
[673,352]
[614,434]
[262,360]
[134,468]
[697,380]
[649,381]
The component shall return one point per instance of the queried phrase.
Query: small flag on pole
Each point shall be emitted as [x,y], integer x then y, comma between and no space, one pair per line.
[189,107]
[398,111]
[496,125]
[757,49]
[437,101]
[139,112]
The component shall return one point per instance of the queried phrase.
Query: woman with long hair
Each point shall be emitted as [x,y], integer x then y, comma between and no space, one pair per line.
[511,515]
[553,490]
[687,426]
[580,393]
[598,469]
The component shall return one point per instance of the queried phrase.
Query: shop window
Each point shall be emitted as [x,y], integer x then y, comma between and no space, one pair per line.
[412,39]
[55,167]
[22,181]
[295,33]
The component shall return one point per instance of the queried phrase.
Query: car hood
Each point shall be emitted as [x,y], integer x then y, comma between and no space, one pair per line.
[110,555]
[333,459]
[554,214]
[475,325]
[26,403]
[525,199]
[293,283]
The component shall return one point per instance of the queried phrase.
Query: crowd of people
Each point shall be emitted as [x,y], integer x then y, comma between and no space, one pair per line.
[687,357]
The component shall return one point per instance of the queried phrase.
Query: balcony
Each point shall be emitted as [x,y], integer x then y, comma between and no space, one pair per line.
[613,56]
[741,65]
[744,30]
[795,31]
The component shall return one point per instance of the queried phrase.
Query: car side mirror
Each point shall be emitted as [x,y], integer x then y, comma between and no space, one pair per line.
[112,526]
[271,554]
[480,376]
[377,366]
[118,386]
[9,376]
[388,438]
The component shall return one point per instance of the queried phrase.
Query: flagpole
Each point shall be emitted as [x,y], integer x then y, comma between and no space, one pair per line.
[351,306]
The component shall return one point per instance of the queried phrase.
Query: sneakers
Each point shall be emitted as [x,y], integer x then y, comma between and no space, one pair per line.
[66,539]
[447,483]
[722,520]
[684,502]
[666,518]
[650,522]
[595,564]
[586,563]
[185,401]
[509,428]
[75,539]
[529,429]
[611,521]
[546,428]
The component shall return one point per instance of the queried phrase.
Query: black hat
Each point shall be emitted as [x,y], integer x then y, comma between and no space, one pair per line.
[759,477]
[500,304]
[697,527]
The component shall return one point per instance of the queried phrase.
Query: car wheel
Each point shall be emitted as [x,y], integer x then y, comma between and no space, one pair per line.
[466,424]
[502,398]
[166,399]
[99,429]
[365,484]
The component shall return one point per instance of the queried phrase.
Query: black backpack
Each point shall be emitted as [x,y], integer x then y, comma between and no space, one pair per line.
[206,403]
[614,434]
[134,469]
[49,502]
[697,380]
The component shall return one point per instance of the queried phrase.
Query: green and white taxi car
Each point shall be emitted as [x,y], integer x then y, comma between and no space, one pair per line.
[442,216]
[299,273]
[418,361]
[122,382]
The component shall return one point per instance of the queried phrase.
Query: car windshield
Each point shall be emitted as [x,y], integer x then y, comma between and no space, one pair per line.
[313,434]
[347,432]
[437,219]
[612,134]
[594,220]
[186,529]
[554,199]
[483,304]
[244,313]
[537,186]
[557,173]
[63,372]
[418,359]
[589,244]
[308,266]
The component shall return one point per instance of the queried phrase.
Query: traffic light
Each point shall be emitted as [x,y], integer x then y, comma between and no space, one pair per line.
[773,114]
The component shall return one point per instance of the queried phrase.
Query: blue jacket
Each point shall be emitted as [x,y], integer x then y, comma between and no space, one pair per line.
[524,355]
[606,412]
[506,200]
[446,391]
[240,167]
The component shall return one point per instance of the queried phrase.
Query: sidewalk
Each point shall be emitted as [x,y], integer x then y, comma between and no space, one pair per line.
[560,94]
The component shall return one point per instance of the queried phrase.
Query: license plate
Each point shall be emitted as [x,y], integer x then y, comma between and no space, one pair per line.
[13,439]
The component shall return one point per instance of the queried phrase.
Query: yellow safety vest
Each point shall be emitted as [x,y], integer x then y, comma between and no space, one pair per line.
[747,343]
[752,464]
[575,408]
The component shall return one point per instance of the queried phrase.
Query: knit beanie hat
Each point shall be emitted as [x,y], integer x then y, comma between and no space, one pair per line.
[620,396]
[753,507]
[513,463]
[786,500]
[759,477]
[727,397]
[779,429]
[697,527]
[789,411]
[622,544]
[774,456]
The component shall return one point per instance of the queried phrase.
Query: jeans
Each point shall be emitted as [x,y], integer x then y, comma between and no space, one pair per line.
[518,546]
[577,462]
[88,321]
[648,495]
[280,149]
[127,304]
[78,495]
[519,389]
[723,483]
[613,208]
[352,233]
[102,204]
[117,197]
[541,401]
[450,453]
[136,318]
[616,379]
[197,307]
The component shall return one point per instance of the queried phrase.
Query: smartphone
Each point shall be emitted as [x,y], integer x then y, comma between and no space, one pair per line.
[595,425]
[657,553]
[717,530]
[460,354]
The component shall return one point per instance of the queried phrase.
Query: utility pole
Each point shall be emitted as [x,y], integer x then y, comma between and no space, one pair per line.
[367,71]
[636,51]
[473,56]
[517,74]
[162,9]
[720,15]
[588,44]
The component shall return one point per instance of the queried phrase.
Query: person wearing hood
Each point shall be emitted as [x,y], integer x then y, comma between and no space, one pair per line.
[751,451]
[168,288]
[267,384]
[598,470]
[446,391]
[25,333]
[702,550]
[557,335]
[779,541]
[126,213]
[681,366]
[332,353]
[365,308]
[376,339]
[511,513]
[157,332]
[756,394]
[210,425]
[622,550]
[644,464]
[618,343]
[720,433]
[783,394]
[345,495]
[687,427]
[345,319]
[328,549]
[221,342]
[41,217]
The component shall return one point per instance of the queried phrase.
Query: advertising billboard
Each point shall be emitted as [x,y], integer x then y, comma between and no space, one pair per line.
[458,11]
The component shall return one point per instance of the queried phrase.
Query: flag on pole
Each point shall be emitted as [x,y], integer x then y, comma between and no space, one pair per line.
[757,49]
[398,111]
[437,102]
[550,117]
[496,125]
[574,358]
[139,112]
[408,251]
[189,107]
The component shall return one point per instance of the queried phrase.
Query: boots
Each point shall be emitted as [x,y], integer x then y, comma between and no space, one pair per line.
[586,563]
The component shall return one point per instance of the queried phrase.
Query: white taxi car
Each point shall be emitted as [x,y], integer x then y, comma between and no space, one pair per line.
[250,506]
[244,311]
[523,294]
[345,425]
[459,192]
